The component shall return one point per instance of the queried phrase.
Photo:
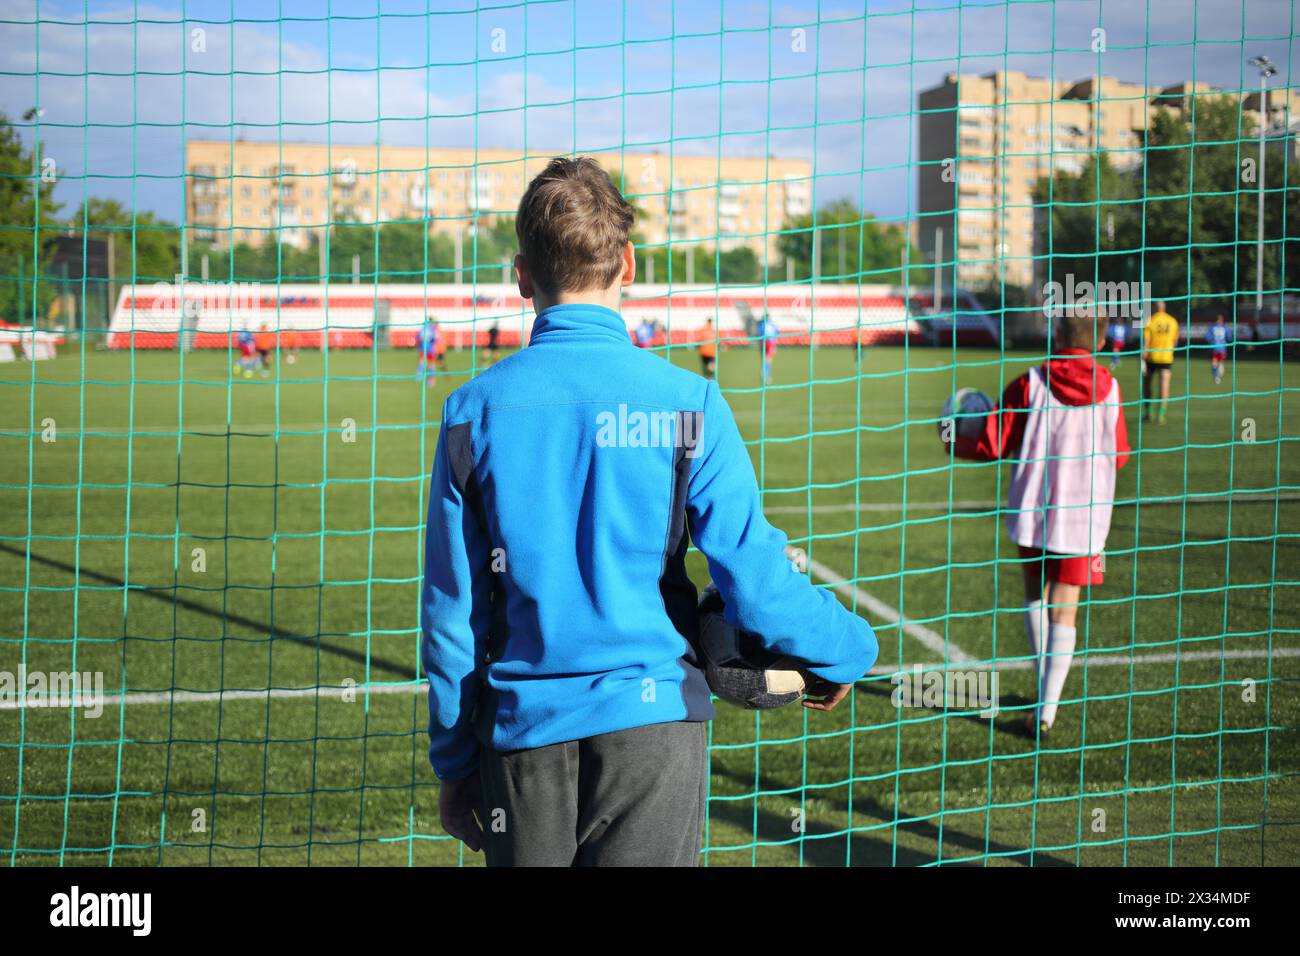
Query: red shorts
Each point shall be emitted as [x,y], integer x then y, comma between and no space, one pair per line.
[1218,355]
[1080,569]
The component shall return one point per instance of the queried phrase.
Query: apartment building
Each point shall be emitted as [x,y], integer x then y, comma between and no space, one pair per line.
[245,191]
[985,141]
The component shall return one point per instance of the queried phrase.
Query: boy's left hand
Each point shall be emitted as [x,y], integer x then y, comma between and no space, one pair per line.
[830,694]
[459,803]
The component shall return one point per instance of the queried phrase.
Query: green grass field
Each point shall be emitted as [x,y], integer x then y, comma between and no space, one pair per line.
[311,546]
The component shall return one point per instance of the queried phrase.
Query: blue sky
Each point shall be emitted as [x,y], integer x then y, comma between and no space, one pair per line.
[123,91]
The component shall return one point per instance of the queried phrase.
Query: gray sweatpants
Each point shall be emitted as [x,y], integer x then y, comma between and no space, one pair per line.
[628,798]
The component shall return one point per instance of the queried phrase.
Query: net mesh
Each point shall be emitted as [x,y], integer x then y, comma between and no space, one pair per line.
[222,227]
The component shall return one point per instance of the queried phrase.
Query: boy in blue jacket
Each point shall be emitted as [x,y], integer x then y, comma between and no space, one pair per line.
[567,710]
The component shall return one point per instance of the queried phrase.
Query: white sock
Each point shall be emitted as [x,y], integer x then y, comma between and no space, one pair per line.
[1035,624]
[1056,667]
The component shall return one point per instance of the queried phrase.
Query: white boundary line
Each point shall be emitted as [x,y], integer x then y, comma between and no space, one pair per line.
[324,692]
[878,506]
[932,640]
[888,506]
[332,692]
[1104,660]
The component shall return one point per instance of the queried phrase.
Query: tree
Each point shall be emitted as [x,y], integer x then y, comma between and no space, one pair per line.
[1092,223]
[1185,219]
[26,226]
[738,265]
[146,248]
[855,246]
[490,250]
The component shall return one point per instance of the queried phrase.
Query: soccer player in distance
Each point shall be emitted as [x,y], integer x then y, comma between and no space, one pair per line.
[1062,424]
[770,333]
[247,352]
[567,710]
[1116,334]
[265,343]
[645,334]
[1160,339]
[1218,336]
[709,350]
[430,358]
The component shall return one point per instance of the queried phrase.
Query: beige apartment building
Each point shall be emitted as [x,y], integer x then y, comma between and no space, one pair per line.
[986,140]
[246,191]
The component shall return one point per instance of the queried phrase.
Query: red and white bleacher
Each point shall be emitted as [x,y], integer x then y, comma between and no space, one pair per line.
[151,316]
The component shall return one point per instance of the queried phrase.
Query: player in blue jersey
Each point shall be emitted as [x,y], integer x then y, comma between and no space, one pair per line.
[247,353]
[568,708]
[645,334]
[430,357]
[1116,334]
[770,332]
[1219,336]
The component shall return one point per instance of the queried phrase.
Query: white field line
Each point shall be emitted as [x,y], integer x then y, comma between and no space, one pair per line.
[932,640]
[879,506]
[217,430]
[1105,660]
[888,506]
[332,692]
[324,692]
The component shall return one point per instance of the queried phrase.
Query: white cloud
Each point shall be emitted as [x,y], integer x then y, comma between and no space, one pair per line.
[115,99]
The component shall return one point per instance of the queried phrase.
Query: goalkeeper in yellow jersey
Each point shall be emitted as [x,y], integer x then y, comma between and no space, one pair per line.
[1159,342]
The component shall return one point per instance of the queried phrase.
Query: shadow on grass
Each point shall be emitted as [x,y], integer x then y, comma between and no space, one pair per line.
[822,845]
[168,595]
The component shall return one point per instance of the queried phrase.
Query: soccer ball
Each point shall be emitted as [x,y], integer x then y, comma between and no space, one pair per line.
[966,412]
[737,666]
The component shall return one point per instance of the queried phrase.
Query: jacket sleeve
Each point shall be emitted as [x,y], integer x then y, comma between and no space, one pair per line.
[1003,428]
[763,591]
[454,614]
[1122,448]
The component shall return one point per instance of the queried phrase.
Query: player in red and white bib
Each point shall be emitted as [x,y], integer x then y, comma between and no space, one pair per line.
[1062,426]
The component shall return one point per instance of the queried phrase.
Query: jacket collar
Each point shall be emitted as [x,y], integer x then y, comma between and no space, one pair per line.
[1075,377]
[578,318]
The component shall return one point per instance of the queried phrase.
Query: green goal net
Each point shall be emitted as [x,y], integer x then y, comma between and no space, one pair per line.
[225,228]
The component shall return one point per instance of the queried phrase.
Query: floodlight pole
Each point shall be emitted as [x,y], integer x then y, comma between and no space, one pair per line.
[1266,69]
[1259,225]
[33,116]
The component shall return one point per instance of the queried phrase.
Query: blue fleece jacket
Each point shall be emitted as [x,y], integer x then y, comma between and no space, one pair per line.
[568,481]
